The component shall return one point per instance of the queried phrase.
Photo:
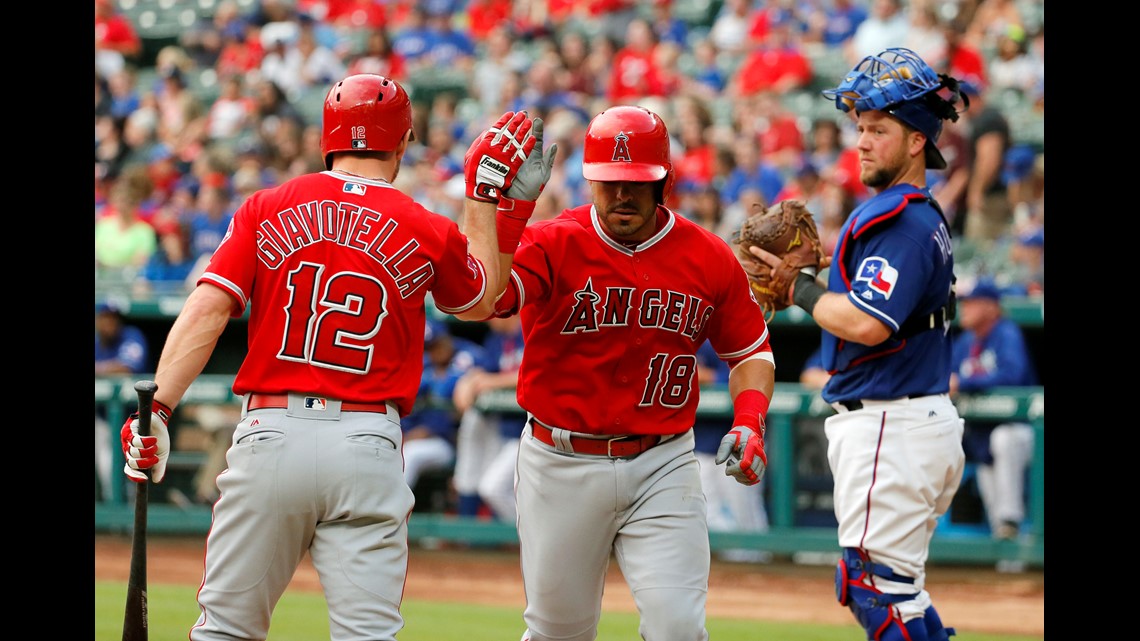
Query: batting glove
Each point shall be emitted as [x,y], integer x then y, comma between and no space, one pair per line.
[517,204]
[743,450]
[147,452]
[494,158]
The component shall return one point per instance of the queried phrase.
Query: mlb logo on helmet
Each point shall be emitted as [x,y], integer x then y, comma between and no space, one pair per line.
[358,143]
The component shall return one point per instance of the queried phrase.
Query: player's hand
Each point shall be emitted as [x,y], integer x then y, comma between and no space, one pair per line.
[146,452]
[494,158]
[743,451]
[535,170]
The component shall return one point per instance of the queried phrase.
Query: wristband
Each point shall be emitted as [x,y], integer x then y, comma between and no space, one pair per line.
[749,408]
[807,292]
[511,218]
[163,411]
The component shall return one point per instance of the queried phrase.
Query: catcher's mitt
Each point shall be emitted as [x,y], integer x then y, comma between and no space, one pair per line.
[787,230]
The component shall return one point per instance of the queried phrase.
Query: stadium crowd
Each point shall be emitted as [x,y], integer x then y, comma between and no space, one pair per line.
[232,105]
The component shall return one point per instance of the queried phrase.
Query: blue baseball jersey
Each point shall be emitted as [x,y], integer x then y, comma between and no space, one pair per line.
[434,408]
[503,353]
[894,261]
[131,349]
[1001,358]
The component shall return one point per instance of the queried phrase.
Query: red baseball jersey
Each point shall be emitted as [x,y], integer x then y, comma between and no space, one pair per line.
[336,271]
[612,333]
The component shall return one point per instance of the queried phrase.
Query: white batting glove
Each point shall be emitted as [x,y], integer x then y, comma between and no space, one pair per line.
[147,452]
[494,158]
[743,451]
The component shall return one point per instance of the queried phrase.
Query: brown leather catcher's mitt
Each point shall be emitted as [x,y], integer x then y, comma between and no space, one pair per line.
[787,230]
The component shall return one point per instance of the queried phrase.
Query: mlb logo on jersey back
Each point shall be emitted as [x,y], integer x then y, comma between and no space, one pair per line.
[354,188]
[879,274]
[315,403]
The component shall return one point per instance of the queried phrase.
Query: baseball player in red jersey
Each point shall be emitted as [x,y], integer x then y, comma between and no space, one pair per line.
[334,268]
[615,299]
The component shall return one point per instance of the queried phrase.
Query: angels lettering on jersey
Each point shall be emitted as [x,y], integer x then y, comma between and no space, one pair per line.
[664,309]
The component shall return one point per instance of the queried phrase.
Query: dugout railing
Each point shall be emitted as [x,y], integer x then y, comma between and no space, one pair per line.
[792,408]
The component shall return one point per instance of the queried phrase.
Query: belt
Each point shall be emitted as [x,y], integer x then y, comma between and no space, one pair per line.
[852,406]
[626,446]
[281,401]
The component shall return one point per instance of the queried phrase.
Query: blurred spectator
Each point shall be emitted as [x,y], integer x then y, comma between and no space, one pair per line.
[111,151]
[412,39]
[708,80]
[991,20]
[541,92]
[494,68]
[182,114]
[961,59]
[430,429]
[356,15]
[634,73]
[232,113]
[836,21]
[753,171]
[209,220]
[824,143]
[984,198]
[298,63]
[578,76]
[926,36]
[776,64]
[696,155]
[171,264]
[205,40]
[124,241]
[487,16]
[990,351]
[448,47]
[667,26]
[242,51]
[1013,68]
[487,443]
[378,57]
[701,203]
[885,27]
[732,507]
[729,31]
[807,187]
[124,93]
[273,111]
[117,42]
[781,141]
[121,349]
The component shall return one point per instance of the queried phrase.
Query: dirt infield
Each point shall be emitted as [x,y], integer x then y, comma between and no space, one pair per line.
[971,599]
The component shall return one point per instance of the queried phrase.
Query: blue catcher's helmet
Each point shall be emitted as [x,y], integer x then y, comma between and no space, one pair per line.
[898,82]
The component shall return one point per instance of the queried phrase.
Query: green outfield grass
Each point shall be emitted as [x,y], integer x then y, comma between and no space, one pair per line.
[301,616]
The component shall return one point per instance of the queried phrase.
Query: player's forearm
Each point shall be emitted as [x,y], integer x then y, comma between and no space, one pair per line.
[841,318]
[483,244]
[191,341]
[754,374]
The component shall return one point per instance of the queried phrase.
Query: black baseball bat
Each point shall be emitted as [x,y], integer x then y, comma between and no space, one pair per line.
[135,622]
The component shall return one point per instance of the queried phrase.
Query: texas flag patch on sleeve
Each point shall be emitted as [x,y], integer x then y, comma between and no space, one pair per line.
[879,275]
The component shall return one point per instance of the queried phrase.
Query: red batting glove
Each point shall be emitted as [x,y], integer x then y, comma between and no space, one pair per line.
[743,449]
[147,452]
[494,158]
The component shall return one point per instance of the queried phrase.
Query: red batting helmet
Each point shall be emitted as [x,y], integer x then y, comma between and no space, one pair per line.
[365,112]
[628,144]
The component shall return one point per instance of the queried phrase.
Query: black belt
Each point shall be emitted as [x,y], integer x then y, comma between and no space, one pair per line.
[858,404]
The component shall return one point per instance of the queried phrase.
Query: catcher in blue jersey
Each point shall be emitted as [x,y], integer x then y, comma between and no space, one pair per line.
[895,444]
